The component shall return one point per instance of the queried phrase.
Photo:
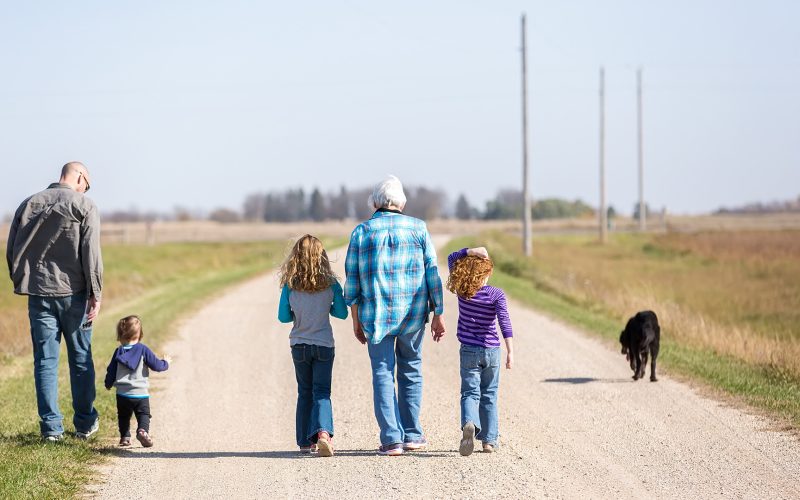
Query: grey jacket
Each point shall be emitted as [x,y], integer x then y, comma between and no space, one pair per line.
[53,247]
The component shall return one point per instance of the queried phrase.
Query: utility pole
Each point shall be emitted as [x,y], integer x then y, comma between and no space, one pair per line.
[642,210]
[527,245]
[603,215]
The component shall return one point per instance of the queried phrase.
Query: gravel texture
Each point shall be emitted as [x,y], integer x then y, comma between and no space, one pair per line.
[573,424]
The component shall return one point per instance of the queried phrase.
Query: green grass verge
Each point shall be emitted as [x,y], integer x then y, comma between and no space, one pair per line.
[763,387]
[161,284]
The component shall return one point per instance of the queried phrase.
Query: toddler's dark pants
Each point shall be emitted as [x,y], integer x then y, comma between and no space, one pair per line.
[133,406]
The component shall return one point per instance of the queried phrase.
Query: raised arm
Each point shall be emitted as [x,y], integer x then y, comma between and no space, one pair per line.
[152,361]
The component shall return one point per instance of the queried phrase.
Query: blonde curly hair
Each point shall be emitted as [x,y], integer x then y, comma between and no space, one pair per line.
[307,268]
[469,275]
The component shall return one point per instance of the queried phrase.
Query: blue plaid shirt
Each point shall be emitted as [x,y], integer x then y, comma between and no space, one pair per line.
[392,275]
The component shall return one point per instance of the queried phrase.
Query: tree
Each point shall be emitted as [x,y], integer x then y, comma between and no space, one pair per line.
[339,205]
[636,211]
[316,209]
[224,216]
[463,209]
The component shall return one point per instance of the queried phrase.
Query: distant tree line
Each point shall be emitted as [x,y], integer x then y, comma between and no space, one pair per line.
[299,204]
[763,208]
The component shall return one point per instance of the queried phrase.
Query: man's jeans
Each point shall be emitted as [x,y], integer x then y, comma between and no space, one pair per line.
[313,366]
[480,375]
[52,317]
[398,413]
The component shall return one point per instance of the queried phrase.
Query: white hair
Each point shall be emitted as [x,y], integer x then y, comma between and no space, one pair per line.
[388,192]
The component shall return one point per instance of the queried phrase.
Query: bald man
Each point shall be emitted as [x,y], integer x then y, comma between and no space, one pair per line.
[53,255]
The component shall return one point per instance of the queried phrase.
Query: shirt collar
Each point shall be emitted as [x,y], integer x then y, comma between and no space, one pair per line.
[58,185]
[385,211]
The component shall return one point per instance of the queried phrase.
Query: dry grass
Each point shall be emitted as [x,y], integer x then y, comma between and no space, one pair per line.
[737,293]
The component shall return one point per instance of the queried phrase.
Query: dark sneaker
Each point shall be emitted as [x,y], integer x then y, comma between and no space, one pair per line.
[125,441]
[91,432]
[53,438]
[144,438]
[391,450]
[415,444]
[467,440]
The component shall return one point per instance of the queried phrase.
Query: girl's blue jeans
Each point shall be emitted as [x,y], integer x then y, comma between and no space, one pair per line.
[313,366]
[480,376]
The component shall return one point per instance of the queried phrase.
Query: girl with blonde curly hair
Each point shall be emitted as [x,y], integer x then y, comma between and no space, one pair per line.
[310,293]
[479,305]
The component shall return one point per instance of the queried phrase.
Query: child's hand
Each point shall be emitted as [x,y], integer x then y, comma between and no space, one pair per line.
[509,360]
[168,358]
[478,252]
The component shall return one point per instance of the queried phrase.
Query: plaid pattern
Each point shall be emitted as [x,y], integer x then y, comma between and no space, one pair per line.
[392,275]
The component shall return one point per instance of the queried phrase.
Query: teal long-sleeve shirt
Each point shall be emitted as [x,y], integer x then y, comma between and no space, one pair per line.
[309,312]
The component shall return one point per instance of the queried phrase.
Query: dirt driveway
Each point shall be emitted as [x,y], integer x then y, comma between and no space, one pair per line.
[572,423]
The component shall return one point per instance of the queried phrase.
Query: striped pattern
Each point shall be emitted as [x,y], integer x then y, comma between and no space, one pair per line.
[392,275]
[476,316]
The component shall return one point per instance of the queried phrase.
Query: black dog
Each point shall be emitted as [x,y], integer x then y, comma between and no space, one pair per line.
[641,334]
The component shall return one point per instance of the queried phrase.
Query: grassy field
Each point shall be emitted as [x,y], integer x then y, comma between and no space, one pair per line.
[728,302]
[161,284]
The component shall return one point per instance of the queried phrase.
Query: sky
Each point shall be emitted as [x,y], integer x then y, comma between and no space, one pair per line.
[197,104]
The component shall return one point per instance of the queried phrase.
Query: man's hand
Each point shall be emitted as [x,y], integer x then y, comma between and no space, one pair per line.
[358,330]
[437,327]
[478,252]
[94,308]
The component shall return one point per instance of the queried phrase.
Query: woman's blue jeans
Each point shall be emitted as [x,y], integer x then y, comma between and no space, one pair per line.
[480,376]
[398,413]
[313,366]
[52,317]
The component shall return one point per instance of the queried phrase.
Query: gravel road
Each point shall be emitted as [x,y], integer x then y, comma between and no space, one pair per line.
[573,424]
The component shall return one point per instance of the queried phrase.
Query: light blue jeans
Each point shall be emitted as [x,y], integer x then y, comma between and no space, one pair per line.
[313,365]
[397,413]
[480,376]
[52,317]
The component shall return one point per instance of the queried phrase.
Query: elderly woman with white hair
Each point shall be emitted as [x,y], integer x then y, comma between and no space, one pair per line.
[392,285]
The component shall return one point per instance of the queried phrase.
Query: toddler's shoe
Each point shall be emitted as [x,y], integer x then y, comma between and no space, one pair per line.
[305,450]
[467,444]
[144,438]
[415,444]
[489,448]
[391,450]
[124,441]
[53,438]
[324,445]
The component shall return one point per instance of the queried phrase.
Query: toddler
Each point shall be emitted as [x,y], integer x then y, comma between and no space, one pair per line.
[310,293]
[478,306]
[128,371]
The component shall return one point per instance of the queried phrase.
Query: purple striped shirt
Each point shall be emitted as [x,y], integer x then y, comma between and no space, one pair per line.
[476,316]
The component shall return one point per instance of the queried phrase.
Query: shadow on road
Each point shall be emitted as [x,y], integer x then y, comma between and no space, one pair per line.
[140,453]
[585,380]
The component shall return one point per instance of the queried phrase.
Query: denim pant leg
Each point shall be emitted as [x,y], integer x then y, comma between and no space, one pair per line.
[490,379]
[382,359]
[81,365]
[321,410]
[408,352]
[46,340]
[304,376]
[471,369]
